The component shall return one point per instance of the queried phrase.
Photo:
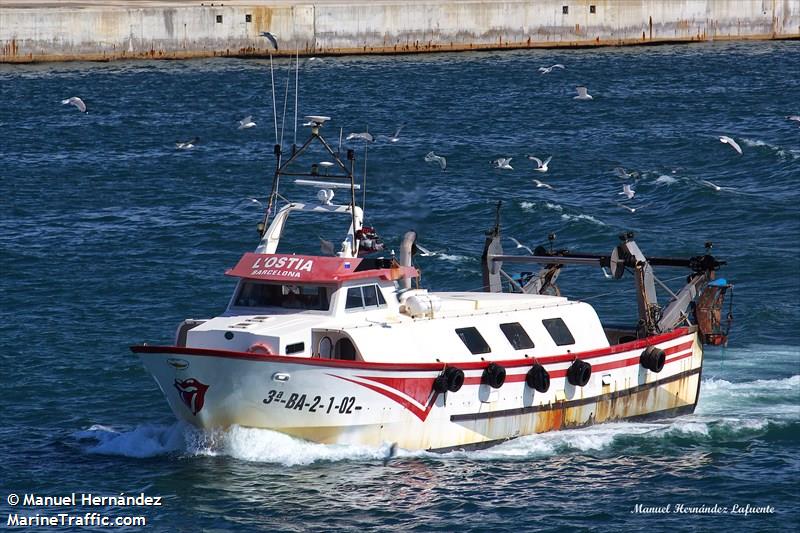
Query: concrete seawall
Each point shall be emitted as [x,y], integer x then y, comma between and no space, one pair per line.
[37,31]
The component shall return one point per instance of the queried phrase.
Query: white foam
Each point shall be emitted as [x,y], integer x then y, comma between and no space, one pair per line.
[588,218]
[143,441]
[452,257]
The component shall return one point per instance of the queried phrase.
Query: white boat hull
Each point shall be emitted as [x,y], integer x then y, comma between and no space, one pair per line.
[349,402]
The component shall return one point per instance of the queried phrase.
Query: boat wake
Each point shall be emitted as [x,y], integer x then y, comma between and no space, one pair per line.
[782,153]
[728,412]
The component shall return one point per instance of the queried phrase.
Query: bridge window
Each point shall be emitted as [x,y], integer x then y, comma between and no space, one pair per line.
[312,297]
[366,297]
[559,331]
[517,336]
[473,340]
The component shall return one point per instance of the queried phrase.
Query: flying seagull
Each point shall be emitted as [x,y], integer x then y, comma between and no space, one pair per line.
[503,163]
[548,70]
[627,191]
[430,157]
[185,145]
[396,137]
[711,185]
[77,102]
[543,185]
[540,166]
[520,245]
[271,38]
[631,209]
[624,174]
[733,144]
[363,136]
[583,93]
[246,122]
[252,201]
[422,251]
[326,247]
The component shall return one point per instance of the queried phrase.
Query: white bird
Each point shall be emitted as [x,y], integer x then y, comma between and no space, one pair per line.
[548,70]
[711,185]
[541,166]
[624,174]
[795,118]
[363,136]
[627,191]
[520,245]
[185,145]
[77,102]
[246,122]
[503,163]
[605,273]
[583,93]
[422,251]
[430,157]
[631,209]
[253,201]
[733,144]
[271,38]
[326,247]
[393,138]
[543,184]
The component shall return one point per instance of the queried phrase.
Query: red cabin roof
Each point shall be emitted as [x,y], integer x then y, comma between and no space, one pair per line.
[314,269]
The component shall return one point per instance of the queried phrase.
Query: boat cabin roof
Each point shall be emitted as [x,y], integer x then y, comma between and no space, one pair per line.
[317,269]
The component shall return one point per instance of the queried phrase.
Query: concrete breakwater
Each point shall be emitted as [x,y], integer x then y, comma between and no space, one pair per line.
[40,31]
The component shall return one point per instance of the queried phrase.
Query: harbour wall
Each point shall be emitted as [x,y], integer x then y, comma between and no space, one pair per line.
[174,30]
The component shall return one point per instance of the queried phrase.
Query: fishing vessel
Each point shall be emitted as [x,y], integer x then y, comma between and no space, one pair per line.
[344,346]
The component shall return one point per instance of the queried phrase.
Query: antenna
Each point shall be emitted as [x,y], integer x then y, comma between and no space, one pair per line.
[364,180]
[296,93]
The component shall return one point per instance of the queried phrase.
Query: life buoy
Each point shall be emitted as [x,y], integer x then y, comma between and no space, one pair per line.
[537,378]
[653,359]
[455,378]
[260,347]
[579,372]
[494,375]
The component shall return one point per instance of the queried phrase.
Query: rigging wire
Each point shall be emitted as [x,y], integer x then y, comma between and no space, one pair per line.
[296,92]
[274,107]
[285,102]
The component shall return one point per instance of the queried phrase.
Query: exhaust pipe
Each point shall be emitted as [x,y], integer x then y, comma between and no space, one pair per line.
[406,252]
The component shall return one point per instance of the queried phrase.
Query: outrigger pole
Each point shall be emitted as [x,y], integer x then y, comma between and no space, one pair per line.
[626,256]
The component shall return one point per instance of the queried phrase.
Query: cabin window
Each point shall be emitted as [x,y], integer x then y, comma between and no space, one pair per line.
[219,19]
[559,331]
[517,336]
[248,17]
[473,340]
[593,9]
[368,296]
[565,10]
[311,297]
[296,347]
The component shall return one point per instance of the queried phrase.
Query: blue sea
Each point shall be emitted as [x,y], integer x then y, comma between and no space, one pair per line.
[110,236]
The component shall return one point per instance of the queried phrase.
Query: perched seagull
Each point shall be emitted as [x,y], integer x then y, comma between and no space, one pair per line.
[540,166]
[503,163]
[246,122]
[627,191]
[520,245]
[795,118]
[548,70]
[543,184]
[583,93]
[271,38]
[631,209]
[430,157]
[363,136]
[733,144]
[711,185]
[185,145]
[77,102]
